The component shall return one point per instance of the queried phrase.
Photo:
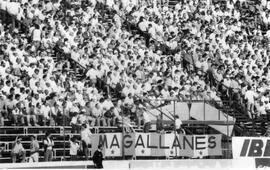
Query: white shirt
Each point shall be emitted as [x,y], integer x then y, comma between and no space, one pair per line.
[178,123]
[92,73]
[86,135]
[45,110]
[143,26]
[36,35]
[74,147]
[250,95]
[13,8]
[146,117]
[49,143]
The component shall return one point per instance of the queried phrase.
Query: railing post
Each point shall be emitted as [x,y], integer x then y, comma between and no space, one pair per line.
[123,152]
[13,22]
[227,155]
[218,114]
[204,109]
[174,126]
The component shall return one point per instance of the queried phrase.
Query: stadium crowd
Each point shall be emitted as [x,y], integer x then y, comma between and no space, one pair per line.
[131,50]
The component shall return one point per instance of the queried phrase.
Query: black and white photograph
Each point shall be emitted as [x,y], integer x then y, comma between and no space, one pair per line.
[135,84]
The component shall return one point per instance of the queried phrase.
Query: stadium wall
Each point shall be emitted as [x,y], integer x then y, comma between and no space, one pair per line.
[142,164]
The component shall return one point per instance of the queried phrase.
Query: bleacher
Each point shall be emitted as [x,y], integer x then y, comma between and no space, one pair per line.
[61,135]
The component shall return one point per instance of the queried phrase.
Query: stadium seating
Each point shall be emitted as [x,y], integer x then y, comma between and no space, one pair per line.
[243,125]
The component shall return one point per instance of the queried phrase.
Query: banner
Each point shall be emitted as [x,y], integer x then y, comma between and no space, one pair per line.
[155,144]
[258,147]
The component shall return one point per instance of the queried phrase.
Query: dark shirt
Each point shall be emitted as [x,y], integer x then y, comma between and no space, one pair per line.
[97,159]
[159,125]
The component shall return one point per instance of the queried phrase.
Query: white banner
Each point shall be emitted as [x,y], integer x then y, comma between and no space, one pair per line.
[255,147]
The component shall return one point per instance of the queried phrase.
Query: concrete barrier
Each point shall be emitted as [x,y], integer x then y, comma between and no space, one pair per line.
[49,165]
[117,164]
[189,164]
[194,164]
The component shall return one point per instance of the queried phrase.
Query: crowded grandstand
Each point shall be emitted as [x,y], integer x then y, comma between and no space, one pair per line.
[73,68]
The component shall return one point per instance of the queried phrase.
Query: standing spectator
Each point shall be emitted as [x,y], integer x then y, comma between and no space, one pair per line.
[159,125]
[86,140]
[18,151]
[250,97]
[75,127]
[34,149]
[98,157]
[147,121]
[48,147]
[74,147]
[178,124]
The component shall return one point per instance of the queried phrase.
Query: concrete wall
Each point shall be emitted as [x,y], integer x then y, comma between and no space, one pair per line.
[142,164]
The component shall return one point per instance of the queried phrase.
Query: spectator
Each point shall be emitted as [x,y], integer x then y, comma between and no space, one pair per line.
[98,114]
[48,147]
[18,114]
[75,127]
[147,121]
[18,151]
[74,147]
[109,117]
[250,97]
[86,140]
[178,124]
[34,149]
[159,124]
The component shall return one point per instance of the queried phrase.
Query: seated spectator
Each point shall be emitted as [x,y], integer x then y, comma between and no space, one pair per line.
[89,115]
[98,115]
[18,151]
[109,117]
[18,114]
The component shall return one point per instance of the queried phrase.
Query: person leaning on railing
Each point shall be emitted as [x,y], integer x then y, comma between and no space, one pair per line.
[178,124]
[34,149]
[86,139]
[74,147]
[48,147]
